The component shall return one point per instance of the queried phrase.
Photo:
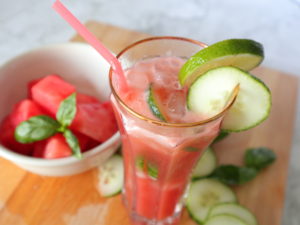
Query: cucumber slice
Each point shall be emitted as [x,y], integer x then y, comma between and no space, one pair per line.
[242,53]
[209,94]
[153,103]
[206,164]
[111,176]
[205,193]
[233,209]
[225,220]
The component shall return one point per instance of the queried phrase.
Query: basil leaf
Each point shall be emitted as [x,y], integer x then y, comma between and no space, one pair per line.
[67,110]
[152,171]
[233,175]
[73,143]
[259,158]
[37,128]
[221,136]
[140,163]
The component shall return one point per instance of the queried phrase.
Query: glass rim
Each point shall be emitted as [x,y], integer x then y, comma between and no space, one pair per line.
[161,123]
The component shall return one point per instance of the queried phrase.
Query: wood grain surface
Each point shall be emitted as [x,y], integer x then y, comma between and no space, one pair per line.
[29,199]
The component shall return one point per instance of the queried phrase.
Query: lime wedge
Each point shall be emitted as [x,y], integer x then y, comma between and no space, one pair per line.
[241,53]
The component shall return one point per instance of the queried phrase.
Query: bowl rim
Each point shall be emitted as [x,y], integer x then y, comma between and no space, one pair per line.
[34,161]
[50,46]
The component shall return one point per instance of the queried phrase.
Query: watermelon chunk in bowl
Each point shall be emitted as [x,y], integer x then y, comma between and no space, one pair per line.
[82,67]
[93,118]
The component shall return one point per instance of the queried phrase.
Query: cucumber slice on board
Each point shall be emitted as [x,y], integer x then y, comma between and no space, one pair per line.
[205,193]
[233,209]
[206,164]
[242,53]
[111,176]
[209,94]
[225,220]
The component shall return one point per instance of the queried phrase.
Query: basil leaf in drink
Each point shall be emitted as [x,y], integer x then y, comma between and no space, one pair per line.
[73,143]
[140,163]
[67,110]
[259,158]
[233,175]
[152,171]
[37,128]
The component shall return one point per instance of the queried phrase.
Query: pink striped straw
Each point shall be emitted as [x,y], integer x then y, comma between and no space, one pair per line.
[92,40]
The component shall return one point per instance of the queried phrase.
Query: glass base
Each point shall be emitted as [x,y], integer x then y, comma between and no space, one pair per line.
[139,220]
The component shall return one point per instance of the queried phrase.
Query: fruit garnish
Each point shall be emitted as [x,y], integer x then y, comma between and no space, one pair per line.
[241,53]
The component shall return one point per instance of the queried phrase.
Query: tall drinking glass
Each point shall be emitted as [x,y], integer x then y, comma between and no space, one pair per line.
[158,156]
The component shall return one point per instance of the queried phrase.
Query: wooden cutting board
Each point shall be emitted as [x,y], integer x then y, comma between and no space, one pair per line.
[28,199]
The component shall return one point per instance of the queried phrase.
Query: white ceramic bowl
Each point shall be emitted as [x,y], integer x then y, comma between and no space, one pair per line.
[77,63]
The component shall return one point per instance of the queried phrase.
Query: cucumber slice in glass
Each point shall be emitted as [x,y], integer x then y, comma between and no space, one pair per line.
[233,209]
[206,164]
[111,176]
[225,220]
[154,105]
[242,53]
[205,193]
[209,94]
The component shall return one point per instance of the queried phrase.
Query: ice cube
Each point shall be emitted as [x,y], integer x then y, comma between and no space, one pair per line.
[137,79]
[176,105]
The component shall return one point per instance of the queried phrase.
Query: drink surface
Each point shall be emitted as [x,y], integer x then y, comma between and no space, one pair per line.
[161,74]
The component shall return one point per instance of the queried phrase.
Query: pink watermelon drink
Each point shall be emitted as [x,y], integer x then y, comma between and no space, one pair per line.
[162,139]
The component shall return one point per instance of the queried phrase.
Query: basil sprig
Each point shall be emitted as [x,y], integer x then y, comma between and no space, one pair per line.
[67,111]
[37,128]
[73,143]
[41,127]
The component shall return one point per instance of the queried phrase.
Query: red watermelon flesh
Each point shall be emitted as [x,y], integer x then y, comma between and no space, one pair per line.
[7,138]
[50,91]
[24,110]
[86,99]
[30,85]
[52,148]
[96,121]
[83,141]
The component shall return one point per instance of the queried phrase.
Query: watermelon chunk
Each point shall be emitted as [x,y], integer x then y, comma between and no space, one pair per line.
[50,91]
[52,148]
[96,121]
[7,138]
[30,85]
[86,99]
[24,110]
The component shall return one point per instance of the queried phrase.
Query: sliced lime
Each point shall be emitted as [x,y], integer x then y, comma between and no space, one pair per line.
[242,53]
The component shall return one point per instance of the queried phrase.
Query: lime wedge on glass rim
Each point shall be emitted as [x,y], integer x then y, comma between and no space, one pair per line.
[213,74]
[245,54]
